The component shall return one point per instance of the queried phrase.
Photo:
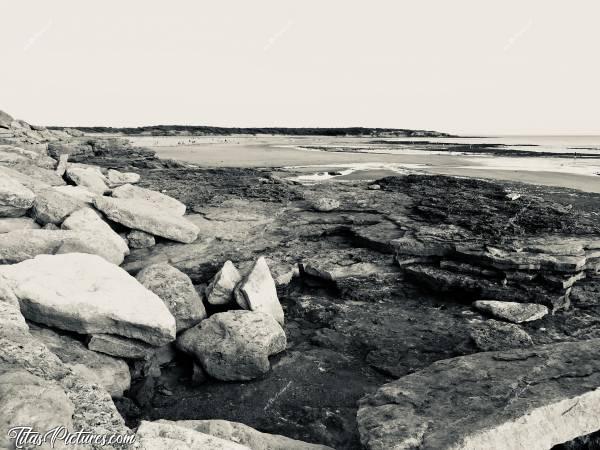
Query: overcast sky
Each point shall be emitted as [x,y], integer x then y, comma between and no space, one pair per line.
[515,67]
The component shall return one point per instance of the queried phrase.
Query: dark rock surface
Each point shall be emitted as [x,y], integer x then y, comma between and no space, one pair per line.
[351,329]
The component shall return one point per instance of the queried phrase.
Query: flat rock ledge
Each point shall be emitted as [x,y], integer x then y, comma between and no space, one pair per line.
[523,399]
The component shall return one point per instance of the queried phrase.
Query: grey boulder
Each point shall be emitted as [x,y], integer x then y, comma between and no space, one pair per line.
[522,399]
[234,345]
[140,239]
[177,292]
[51,206]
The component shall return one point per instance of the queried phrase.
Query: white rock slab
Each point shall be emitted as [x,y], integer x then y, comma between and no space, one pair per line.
[86,294]
[161,201]
[77,192]
[146,216]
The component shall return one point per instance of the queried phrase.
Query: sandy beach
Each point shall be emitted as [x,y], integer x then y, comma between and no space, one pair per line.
[291,152]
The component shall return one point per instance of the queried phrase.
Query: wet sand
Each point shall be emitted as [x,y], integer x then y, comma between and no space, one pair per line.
[557,179]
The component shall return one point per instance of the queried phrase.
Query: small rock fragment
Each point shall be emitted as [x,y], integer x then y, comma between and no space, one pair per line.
[140,239]
[325,204]
[116,178]
[120,346]
[63,162]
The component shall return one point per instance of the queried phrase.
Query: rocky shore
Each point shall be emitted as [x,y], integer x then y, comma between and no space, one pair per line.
[236,308]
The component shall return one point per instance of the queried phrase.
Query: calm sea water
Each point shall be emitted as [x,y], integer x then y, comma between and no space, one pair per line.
[554,144]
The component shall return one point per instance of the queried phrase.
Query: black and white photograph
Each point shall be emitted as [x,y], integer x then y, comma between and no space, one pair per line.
[299,225]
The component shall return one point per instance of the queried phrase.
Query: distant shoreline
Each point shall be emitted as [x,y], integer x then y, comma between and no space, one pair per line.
[193,130]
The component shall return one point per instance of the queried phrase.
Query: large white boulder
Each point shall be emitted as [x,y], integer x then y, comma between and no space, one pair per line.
[15,198]
[32,184]
[161,201]
[32,176]
[86,294]
[146,216]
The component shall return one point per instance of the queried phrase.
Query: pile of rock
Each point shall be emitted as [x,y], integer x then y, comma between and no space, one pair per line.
[97,213]
[236,344]
[12,130]
[540,269]
[65,229]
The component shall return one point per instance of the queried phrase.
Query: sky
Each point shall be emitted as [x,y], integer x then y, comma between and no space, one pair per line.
[461,66]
